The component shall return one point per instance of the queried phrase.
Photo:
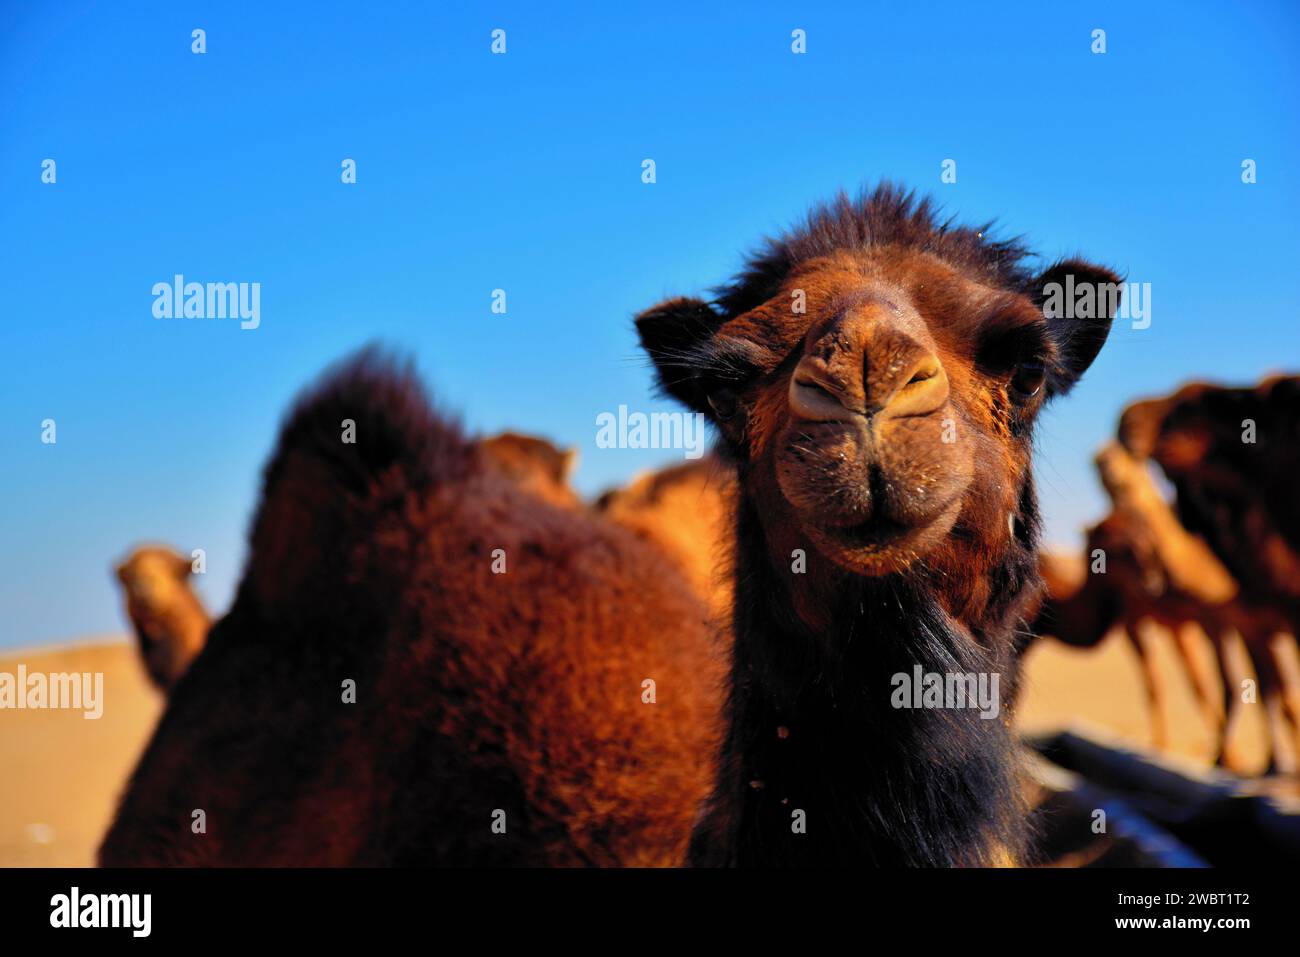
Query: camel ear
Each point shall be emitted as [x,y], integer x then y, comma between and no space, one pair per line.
[1079,300]
[675,334]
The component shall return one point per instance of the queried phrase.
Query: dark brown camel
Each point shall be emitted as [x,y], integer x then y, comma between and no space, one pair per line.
[171,623]
[1232,455]
[875,376]
[169,620]
[427,664]
[1158,575]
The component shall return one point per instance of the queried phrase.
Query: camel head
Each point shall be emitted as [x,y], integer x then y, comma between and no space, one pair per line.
[1178,430]
[1201,430]
[877,374]
[534,464]
[169,621]
[153,576]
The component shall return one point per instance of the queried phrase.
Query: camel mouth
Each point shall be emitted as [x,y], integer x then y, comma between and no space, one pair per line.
[875,533]
[873,537]
[873,506]
[881,545]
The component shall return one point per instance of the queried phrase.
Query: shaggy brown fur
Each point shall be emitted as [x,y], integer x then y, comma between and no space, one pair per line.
[875,376]
[171,623]
[686,511]
[476,692]
[169,620]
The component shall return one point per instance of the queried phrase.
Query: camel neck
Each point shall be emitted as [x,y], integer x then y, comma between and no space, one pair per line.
[827,760]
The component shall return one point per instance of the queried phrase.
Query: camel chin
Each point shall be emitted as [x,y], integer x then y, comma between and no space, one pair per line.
[872,508]
[880,547]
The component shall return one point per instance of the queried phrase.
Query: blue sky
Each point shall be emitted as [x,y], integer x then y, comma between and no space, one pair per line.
[522,172]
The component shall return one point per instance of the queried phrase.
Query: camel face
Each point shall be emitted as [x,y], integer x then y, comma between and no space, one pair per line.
[872,422]
[1178,431]
[169,621]
[1232,456]
[877,375]
[153,577]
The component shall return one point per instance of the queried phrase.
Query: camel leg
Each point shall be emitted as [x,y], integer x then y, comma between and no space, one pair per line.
[1211,702]
[1143,641]
[1273,676]
[1286,657]
[1279,731]
[1281,749]
[1231,653]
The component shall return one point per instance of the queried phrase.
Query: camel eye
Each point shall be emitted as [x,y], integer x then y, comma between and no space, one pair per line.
[724,404]
[1027,379]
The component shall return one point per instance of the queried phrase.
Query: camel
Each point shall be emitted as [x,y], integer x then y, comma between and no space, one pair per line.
[169,620]
[875,375]
[534,464]
[1231,455]
[425,663]
[379,694]
[684,510]
[1158,575]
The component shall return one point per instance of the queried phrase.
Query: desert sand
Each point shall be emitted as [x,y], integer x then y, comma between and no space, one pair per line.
[61,775]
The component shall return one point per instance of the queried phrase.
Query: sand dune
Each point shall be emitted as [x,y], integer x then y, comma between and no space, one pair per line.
[62,774]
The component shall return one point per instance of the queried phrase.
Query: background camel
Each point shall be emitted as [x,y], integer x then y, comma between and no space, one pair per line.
[169,620]
[682,510]
[534,464]
[875,376]
[685,511]
[1232,455]
[425,663]
[1141,570]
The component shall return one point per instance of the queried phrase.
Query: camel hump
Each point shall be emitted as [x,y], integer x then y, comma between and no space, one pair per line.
[368,420]
[363,441]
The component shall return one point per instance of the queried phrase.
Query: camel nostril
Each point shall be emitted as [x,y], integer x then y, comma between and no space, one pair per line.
[925,391]
[815,401]
[926,369]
